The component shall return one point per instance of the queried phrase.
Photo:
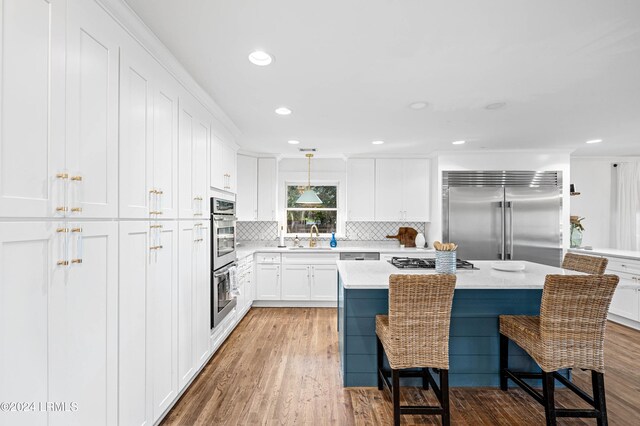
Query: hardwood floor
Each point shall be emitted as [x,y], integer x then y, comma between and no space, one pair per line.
[281,366]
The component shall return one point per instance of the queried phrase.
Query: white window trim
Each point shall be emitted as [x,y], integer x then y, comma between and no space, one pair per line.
[319,182]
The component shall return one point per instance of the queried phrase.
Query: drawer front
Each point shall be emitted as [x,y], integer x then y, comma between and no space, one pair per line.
[310,258]
[626,303]
[625,266]
[268,258]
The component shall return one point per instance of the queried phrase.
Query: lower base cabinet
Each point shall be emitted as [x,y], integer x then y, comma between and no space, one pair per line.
[148,377]
[58,321]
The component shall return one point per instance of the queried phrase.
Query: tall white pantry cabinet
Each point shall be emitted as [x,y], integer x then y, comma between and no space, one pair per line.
[104,231]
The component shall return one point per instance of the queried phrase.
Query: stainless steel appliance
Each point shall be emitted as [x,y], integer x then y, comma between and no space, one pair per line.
[504,215]
[223,228]
[425,263]
[360,255]
[222,299]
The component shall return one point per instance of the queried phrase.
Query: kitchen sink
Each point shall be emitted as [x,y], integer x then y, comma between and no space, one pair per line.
[310,248]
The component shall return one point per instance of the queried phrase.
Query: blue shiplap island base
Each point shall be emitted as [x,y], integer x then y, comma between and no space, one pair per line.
[474,340]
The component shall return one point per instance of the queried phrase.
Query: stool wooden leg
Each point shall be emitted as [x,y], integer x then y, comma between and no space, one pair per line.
[379,354]
[548,388]
[425,378]
[504,362]
[444,389]
[395,378]
[597,382]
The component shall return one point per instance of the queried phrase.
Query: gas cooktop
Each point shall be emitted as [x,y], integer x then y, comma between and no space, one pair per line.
[421,263]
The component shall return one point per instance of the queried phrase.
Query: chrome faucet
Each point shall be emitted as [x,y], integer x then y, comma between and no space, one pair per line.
[313,241]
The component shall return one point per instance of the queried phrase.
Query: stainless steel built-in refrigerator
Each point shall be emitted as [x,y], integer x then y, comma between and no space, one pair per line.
[495,215]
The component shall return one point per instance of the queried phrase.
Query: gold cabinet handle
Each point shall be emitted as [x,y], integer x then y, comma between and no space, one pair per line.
[155,226]
[155,247]
[61,209]
[154,212]
[76,260]
[76,229]
[76,209]
[198,239]
[197,224]
[197,199]
[62,176]
[76,178]
[59,230]
[62,263]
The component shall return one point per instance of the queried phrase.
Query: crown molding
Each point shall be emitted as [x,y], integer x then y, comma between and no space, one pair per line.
[122,13]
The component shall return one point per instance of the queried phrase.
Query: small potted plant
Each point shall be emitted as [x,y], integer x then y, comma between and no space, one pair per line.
[576,231]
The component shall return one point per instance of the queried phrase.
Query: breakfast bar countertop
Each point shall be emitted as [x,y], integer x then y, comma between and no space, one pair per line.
[375,275]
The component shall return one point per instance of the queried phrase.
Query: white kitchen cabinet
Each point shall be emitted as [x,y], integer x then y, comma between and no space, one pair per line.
[194,131]
[247,196]
[268,282]
[59,287]
[402,190]
[361,181]
[626,303]
[267,189]
[324,282]
[245,282]
[223,165]
[32,108]
[193,300]
[93,46]
[148,379]
[296,282]
[148,137]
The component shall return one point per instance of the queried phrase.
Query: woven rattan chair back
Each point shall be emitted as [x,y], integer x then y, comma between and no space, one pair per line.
[419,318]
[587,264]
[573,319]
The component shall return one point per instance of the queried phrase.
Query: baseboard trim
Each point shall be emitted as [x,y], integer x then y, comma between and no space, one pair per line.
[294,304]
[624,321]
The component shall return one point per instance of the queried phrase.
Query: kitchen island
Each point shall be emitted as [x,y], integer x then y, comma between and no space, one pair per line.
[480,297]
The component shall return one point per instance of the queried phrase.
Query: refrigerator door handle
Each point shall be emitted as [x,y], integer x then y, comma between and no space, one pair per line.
[502,224]
[509,239]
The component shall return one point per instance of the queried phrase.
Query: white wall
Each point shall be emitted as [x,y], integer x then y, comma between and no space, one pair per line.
[497,160]
[593,178]
[323,170]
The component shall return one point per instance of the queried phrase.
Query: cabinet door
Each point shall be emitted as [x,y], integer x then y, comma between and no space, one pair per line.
[202,293]
[165,144]
[186,301]
[200,169]
[361,181]
[134,390]
[218,174]
[268,282]
[388,198]
[93,39]
[186,141]
[28,255]
[247,198]
[163,295]
[250,285]
[136,132]
[32,108]
[230,167]
[626,303]
[267,188]
[83,322]
[415,190]
[295,282]
[324,279]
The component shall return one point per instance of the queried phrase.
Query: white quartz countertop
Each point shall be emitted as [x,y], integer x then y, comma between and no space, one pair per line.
[375,275]
[610,252]
[242,252]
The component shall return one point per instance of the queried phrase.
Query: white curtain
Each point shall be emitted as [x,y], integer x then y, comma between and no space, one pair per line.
[626,215]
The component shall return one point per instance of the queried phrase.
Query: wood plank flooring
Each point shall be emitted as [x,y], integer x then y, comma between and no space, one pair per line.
[280,366]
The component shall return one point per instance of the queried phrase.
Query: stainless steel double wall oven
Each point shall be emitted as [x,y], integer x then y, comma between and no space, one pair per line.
[223,258]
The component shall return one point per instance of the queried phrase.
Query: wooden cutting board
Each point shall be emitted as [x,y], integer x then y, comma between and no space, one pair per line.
[406,236]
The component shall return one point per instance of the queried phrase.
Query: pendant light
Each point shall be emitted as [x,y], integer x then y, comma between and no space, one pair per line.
[309,196]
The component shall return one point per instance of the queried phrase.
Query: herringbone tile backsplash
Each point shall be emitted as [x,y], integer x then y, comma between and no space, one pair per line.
[355,231]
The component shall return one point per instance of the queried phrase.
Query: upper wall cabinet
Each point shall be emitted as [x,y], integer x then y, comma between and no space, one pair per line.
[194,124]
[402,190]
[247,196]
[267,188]
[361,182]
[148,137]
[223,165]
[32,96]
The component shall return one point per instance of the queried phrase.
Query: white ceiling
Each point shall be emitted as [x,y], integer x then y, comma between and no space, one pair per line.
[569,71]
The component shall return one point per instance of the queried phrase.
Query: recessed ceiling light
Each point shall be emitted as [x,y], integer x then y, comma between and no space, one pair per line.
[260,58]
[496,105]
[377,142]
[293,142]
[459,142]
[283,111]
[418,105]
[594,141]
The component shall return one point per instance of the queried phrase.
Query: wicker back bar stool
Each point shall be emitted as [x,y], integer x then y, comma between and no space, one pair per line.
[569,333]
[587,264]
[415,335]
